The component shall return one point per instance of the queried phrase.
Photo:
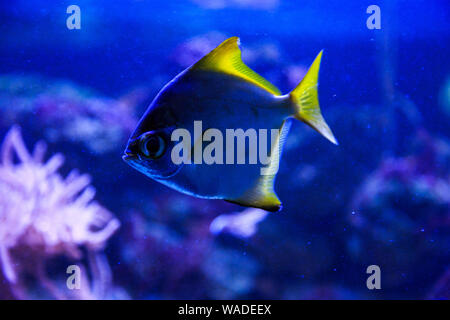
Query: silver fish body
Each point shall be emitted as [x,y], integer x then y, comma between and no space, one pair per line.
[222,93]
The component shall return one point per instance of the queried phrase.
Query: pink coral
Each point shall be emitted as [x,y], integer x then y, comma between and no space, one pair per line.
[68,112]
[240,224]
[43,212]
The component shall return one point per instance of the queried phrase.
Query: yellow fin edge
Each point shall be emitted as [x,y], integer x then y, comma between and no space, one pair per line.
[226,58]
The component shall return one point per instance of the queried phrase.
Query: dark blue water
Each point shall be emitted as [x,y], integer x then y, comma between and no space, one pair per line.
[381,198]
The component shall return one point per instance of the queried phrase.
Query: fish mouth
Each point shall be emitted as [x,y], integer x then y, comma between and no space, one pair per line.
[129,157]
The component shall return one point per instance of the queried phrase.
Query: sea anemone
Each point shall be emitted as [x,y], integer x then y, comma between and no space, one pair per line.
[43,213]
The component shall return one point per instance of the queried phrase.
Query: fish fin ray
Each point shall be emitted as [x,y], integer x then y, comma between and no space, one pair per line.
[226,58]
[262,195]
[306,102]
[277,148]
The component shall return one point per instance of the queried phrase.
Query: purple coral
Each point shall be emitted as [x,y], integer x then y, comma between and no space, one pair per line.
[240,224]
[43,213]
[67,112]
[401,213]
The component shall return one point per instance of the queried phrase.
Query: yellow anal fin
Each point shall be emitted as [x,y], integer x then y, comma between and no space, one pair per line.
[226,58]
[263,195]
[272,204]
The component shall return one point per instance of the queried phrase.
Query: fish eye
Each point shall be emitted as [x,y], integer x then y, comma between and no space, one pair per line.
[152,145]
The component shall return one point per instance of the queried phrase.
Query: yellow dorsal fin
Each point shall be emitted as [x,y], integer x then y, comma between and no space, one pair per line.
[226,58]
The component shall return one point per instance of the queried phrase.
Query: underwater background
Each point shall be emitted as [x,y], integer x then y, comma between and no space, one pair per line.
[382,197]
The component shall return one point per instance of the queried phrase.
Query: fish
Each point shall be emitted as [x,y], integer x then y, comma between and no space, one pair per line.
[220,92]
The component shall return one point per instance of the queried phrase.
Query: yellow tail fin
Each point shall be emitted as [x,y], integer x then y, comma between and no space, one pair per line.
[306,102]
